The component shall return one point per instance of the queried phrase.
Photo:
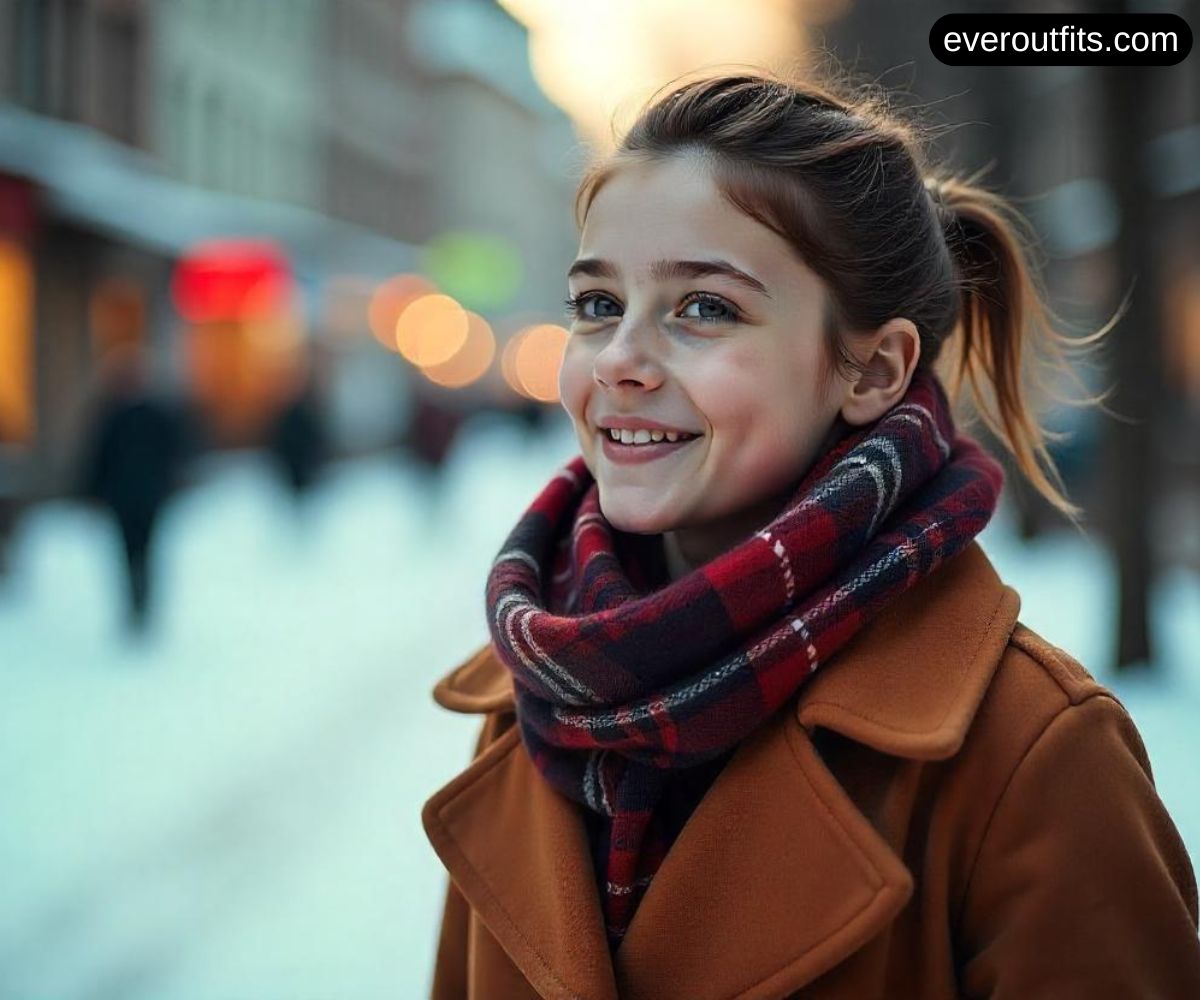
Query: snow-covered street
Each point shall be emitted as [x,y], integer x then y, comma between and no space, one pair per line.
[231,808]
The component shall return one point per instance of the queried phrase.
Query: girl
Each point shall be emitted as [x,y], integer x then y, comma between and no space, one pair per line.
[759,718]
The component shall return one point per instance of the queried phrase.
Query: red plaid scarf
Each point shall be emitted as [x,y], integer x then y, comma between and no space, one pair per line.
[626,682]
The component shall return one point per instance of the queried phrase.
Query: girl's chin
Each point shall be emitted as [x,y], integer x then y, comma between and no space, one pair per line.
[637,529]
[635,522]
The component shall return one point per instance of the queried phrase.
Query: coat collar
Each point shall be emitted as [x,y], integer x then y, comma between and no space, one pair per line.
[907,684]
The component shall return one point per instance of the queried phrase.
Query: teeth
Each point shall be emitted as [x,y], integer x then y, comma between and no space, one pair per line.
[643,436]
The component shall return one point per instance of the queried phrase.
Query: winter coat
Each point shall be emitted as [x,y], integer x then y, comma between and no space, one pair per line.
[134,455]
[950,807]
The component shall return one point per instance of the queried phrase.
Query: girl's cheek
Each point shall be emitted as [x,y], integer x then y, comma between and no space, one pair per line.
[572,381]
[730,384]
[748,363]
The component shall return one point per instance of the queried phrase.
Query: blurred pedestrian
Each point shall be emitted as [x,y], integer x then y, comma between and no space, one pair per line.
[432,430]
[297,440]
[132,455]
[10,507]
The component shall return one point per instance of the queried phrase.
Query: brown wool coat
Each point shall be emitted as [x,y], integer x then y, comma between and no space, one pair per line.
[951,806]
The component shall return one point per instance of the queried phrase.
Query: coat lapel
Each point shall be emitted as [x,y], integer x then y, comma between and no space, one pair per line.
[794,877]
[775,878]
[518,851]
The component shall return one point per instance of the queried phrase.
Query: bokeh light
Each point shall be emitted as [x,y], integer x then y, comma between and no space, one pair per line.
[16,344]
[431,330]
[531,360]
[470,361]
[117,311]
[481,270]
[223,280]
[390,300]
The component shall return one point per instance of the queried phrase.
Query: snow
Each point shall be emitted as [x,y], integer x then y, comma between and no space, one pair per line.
[231,808]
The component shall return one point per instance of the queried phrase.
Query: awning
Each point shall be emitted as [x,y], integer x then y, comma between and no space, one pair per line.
[91,179]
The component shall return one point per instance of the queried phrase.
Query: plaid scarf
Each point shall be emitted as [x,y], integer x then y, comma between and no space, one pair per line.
[627,682]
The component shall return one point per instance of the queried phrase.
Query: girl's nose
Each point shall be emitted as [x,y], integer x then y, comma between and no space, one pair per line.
[629,358]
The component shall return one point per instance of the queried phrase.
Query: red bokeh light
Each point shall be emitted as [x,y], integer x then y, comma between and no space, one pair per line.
[231,280]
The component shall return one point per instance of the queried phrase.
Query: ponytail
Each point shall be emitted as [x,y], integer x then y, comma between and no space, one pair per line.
[1007,331]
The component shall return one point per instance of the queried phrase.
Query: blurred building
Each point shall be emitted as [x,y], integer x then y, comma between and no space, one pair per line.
[380,137]
[73,78]
[235,97]
[506,155]
[351,135]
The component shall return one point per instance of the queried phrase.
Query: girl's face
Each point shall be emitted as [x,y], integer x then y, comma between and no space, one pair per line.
[693,316]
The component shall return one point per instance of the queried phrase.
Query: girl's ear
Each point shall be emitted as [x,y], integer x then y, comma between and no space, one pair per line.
[893,353]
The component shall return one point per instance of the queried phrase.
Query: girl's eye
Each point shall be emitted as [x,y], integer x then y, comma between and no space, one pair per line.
[704,301]
[577,307]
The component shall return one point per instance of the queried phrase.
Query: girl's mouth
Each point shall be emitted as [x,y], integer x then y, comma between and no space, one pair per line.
[631,454]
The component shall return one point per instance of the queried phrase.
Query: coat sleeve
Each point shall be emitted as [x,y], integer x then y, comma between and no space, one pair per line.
[1082,886]
[450,964]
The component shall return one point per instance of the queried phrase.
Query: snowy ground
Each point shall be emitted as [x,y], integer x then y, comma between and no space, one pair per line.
[231,809]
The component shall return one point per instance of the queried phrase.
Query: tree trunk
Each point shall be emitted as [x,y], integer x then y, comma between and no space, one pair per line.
[1131,462]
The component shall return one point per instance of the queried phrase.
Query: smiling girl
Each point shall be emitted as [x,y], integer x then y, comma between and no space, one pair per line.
[760,719]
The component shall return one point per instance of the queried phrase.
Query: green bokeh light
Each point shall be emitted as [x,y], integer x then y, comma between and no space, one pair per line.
[480,270]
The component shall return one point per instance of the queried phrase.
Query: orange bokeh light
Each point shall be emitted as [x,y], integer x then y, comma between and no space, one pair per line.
[431,330]
[531,361]
[470,361]
[508,357]
[390,301]
[17,382]
[117,309]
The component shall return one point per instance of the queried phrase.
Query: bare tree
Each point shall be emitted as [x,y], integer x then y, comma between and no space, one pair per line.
[1132,466]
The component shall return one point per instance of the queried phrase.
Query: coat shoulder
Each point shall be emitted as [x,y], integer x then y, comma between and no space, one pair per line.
[1055,783]
[1034,682]
[1054,664]
[1039,690]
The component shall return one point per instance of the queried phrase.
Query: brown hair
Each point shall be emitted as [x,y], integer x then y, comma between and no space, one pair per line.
[843,178]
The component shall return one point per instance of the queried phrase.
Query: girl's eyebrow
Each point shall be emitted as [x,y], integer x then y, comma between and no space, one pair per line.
[666,270]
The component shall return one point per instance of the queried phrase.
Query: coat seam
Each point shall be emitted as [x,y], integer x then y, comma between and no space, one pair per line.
[1039,649]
